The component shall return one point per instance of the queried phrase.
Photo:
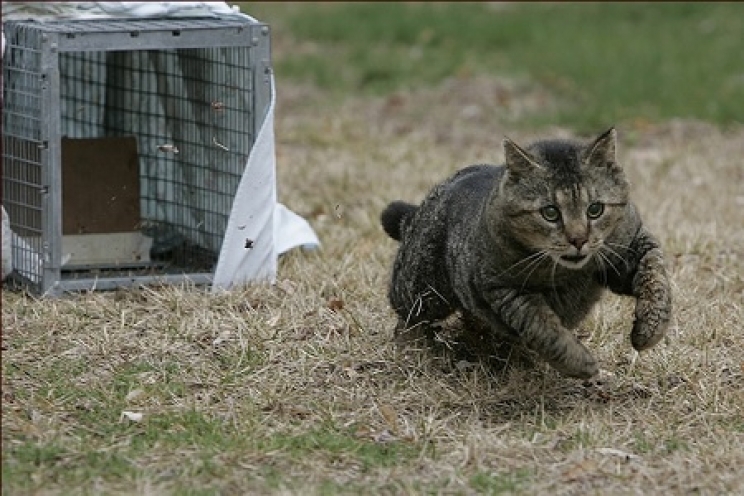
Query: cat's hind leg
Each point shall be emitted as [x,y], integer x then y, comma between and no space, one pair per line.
[418,310]
[419,292]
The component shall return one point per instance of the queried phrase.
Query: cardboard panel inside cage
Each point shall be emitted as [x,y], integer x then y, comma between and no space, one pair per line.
[101,202]
[100,185]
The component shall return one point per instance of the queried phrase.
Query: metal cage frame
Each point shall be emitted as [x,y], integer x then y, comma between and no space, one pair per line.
[39,63]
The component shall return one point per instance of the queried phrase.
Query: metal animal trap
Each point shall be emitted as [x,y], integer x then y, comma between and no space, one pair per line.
[124,142]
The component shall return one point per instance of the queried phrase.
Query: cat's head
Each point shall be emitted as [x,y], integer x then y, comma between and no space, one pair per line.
[563,198]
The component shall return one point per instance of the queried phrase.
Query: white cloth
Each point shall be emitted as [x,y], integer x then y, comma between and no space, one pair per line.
[7,247]
[91,10]
[256,235]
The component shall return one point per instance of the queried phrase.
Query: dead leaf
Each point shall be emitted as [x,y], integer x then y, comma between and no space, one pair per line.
[299,411]
[350,372]
[642,391]
[134,394]
[363,432]
[34,416]
[224,336]
[616,452]
[383,437]
[394,102]
[465,365]
[579,471]
[287,286]
[133,416]
[8,393]
[273,321]
[335,304]
[390,416]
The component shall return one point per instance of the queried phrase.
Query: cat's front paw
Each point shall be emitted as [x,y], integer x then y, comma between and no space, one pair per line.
[653,309]
[650,325]
[585,369]
[564,352]
[652,315]
[576,361]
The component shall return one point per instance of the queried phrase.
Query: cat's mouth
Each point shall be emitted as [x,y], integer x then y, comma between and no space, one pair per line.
[573,258]
[573,261]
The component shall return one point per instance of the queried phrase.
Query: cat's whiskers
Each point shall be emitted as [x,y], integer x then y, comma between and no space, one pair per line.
[535,264]
[601,267]
[553,285]
[621,246]
[606,259]
[539,255]
[416,308]
[431,288]
[614,252]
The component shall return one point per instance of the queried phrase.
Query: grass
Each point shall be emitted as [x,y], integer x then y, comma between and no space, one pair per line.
[297,387]
[605,62]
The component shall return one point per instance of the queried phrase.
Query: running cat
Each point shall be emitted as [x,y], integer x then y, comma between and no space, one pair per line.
[524,250]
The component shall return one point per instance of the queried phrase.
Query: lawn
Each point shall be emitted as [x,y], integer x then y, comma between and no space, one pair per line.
[604,62]
[298,387]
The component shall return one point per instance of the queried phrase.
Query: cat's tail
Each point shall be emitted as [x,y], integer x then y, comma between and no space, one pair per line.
[395,216]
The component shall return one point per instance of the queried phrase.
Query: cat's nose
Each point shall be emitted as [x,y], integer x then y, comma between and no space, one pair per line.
[577,241]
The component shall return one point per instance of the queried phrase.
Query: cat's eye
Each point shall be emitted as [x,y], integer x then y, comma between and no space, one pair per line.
[595,210]
[550,213]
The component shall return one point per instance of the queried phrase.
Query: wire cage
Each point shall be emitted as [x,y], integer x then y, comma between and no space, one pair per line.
[124,142]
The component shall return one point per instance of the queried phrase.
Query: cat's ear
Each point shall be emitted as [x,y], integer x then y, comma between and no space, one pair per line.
[518,160]
[602,151]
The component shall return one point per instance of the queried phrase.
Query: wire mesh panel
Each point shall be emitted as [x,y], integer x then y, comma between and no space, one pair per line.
[189,95]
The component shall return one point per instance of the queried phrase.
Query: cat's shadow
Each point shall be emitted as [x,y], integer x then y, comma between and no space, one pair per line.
[459,341]
[456,344]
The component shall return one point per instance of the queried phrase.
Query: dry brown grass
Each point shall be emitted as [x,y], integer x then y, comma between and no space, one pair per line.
[298,389]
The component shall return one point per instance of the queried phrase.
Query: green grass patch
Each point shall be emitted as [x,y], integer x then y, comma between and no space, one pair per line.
[336,445]
[188,444]
[497,483]
[643,444]
[605,62]
[112,452]
[31,465]
[675,444]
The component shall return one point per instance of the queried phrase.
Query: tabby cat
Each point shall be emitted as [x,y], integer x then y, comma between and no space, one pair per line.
[524,250]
